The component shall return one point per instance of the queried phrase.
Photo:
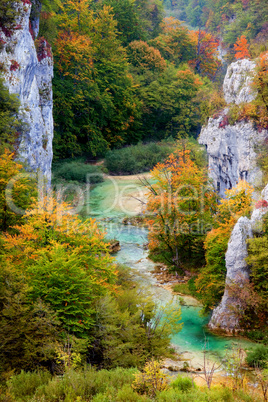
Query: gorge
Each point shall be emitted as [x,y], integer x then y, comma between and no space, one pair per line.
[124,106]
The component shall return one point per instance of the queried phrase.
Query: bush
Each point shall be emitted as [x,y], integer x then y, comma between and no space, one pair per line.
[182,288]
[77,171]
[84,384]
[258,356]
[184,384]
[23,385]
[137,158]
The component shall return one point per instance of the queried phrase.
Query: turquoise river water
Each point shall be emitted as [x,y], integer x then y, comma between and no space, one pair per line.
[106,201]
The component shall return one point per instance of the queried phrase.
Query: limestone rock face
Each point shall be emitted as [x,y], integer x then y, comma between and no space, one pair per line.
[231,148]
[226,315]
[28,73]
[231,152]
[237,82]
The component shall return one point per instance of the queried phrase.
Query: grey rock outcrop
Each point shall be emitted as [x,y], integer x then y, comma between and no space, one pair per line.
[227,315]
[237,86]
[28,73]
[231,148]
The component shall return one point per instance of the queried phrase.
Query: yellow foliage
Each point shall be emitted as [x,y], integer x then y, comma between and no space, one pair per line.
[151,380]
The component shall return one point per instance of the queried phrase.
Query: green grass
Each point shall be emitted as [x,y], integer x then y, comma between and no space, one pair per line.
[137,158]
[108,385]
[182,288]
[77,171]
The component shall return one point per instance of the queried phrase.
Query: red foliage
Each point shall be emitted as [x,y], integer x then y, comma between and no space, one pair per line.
[14,65]
[261,204]
[43,49]
[45,15]
[7,31]
[206,61]
[224,122]
[26,2]
[31,30]
[18,27]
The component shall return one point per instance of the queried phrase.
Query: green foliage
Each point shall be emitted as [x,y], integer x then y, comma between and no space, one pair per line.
[10,126]
[77,171]
[210,100]
[136,20]
[180,202]
[144,57]
[103,385]
[17,191]
[137,158]
[58,277]
[184,384]
[130,328]
[174,42]
[257,335]
[258,356]
[95,105]
[210,282]
[28,331]
[23,385]
[8,15]
[74,385]
[257,258]
[169,107]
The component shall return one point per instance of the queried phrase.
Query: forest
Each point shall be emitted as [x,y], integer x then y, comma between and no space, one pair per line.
[134,82]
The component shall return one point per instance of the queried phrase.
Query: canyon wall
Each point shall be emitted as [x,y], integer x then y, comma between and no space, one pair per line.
[27,67]
[231,148]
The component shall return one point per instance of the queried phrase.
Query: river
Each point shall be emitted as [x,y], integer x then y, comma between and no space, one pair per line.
[109,203]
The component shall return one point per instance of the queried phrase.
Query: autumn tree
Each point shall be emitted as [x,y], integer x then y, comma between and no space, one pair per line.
[261,82]
[143,57]
[241,48]
[17,191]
[211,280]
[65,260]
[94,96]
[205,62]
[174,42]
[181,203]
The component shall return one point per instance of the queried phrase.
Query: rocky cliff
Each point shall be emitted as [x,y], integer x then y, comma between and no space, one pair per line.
[27,67]
[231,148]
[226,316]
[231,155]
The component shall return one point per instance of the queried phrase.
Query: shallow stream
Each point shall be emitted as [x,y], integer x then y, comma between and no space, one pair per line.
[106,206]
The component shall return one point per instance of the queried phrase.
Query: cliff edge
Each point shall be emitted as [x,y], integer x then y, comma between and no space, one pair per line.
[27,67]
[231,148]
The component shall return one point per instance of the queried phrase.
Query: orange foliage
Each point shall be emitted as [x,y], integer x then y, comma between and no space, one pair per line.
[241,48]
[74,55]
[175,43]
[180,202]
[49,223]
[206,62]
[145,56]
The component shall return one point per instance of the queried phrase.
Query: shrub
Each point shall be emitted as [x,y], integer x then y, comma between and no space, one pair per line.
[151,380]
[23,385]
[182,288]
[258,356]
[137,158]
[184,384]
[77,171]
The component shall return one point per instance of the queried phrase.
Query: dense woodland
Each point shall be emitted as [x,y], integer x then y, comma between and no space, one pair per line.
[134,80]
